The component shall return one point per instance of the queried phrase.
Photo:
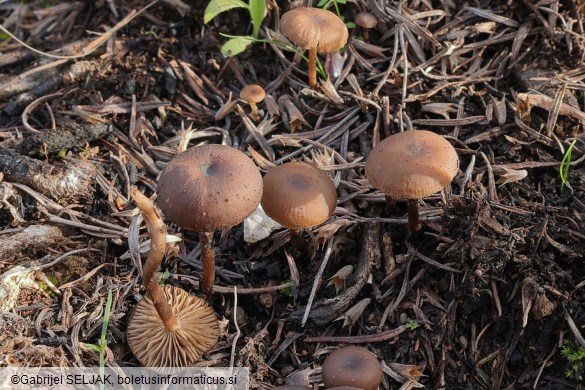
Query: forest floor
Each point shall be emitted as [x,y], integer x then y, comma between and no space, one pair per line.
[489,295]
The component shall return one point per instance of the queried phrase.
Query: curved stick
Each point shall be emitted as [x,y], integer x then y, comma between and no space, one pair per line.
[158,244]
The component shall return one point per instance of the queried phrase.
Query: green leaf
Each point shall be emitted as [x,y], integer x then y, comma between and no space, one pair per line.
[216,7]
[235,46]
[257,10]
[91,346]
[322,3]
[566,165]
[350,25]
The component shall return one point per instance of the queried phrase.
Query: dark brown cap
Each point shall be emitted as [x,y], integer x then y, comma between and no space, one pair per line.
[412,164]
[253,93]
[311,28]
[352,366]
[209,187]
[155,346]
[298,195]
[366,20]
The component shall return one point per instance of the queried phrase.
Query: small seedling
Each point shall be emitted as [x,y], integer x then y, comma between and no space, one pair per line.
[412,325]
[576,357]
[102,343]
[163,279]
[237,44]
[566,164]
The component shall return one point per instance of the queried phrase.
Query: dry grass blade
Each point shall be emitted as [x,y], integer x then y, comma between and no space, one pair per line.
[554,111]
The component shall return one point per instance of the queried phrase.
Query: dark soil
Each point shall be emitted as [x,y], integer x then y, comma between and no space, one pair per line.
[486,296]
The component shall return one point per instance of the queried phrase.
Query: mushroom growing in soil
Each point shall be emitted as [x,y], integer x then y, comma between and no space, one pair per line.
[315,29]
[366,21]
[299,196]
[412,165]
[253,94]
[352,366]
[208,188]
[169,327]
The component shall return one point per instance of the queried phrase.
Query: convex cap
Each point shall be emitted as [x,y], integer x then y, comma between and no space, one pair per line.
[209,187]
[352,366]
[366,20]
[253,93]
[314,28]
[155,346]
[298,195]
[412,164]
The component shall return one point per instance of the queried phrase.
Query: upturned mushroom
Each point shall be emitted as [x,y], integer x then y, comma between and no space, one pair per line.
[207,188]
[352,366]
[412,165]
[299,196]
[315,29]
[253,94]
[169,327]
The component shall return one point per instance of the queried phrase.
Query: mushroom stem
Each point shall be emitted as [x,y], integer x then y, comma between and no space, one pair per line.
[366,34]
[254,112]
[313,68]
[413,220]
[158,244]
[297,241]
[208,260]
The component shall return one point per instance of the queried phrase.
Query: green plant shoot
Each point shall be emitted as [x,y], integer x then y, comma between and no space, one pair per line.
[327,3]
[102,344]
[576,357]
[566,164]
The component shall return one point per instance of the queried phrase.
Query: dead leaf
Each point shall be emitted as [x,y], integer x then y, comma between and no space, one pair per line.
[508,175]
[338,280]
[354,313]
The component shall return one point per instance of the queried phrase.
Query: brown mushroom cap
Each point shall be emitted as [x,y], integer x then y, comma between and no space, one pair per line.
[209,187]
[155,346]
[412,164]
[311,28]
[366,20]
[352,366]
[253,93]
[298,195]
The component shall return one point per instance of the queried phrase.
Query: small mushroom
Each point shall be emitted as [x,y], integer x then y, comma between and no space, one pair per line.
[366,21]
[352,366]
[315,29]
[253,94]
[207,188]
[298,195]
[169,327]
[412,165]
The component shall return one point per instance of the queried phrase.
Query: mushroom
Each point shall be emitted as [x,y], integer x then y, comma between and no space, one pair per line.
[315,29]
[298,195]
[352,366]
[207,188]
[366,21]
[253,94]
[169,327]
[412,165]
